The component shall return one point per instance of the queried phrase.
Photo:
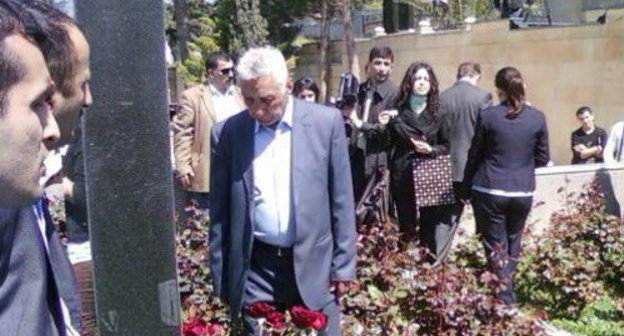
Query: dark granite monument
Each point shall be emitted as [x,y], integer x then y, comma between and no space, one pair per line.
[128,167]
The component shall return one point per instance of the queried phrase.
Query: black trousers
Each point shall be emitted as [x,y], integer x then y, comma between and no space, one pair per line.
[500,222]
[436,224]
[271,279]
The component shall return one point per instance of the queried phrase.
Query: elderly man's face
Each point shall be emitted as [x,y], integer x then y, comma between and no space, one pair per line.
[265,99]
[26,125]
[67,108]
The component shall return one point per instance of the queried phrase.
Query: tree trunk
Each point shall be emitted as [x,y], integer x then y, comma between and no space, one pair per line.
[181,18]
[324,58]
[349,39]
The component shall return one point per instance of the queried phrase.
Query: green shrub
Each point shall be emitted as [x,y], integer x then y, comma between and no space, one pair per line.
[578,259]
[604,317]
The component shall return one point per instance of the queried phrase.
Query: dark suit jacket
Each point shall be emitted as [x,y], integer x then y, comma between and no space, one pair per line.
[462,103]
[370,142]
[27,307]
[506,149]
[428,127]
[76,208]
[325,247]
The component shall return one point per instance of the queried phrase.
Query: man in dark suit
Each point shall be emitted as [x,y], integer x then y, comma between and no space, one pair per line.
[376,97]
[462,103]
[66,52]
[283,227]
[29,300]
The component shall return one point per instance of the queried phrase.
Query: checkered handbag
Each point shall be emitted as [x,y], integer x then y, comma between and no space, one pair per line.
[433,183]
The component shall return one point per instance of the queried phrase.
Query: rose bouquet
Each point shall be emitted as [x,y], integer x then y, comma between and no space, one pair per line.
[298,320]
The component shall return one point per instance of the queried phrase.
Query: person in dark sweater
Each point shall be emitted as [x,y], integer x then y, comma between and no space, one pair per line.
[419,130]
[376,96]
[588,141]
[510,141]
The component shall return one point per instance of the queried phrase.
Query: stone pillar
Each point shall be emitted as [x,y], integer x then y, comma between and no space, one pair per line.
[128,169]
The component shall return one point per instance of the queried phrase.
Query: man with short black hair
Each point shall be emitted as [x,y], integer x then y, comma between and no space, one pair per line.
[461,103]
[588,141]
[66,53]
[30,302]
[27,124]
[201,107]
[376,99]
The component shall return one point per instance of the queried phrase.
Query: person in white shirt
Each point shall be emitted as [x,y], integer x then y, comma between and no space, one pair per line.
[201,107]
[613,151]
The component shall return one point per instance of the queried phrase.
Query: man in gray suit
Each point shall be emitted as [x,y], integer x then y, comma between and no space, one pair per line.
[283,226]
[462,103]
[38,290]
[29,298]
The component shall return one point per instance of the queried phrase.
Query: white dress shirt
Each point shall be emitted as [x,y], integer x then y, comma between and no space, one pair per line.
[612,149]
[225,104]
[272,196]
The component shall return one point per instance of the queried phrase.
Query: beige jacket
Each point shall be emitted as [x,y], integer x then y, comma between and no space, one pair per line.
[192,126]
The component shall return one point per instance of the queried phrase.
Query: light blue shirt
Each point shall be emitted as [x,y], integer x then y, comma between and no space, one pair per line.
[273,218]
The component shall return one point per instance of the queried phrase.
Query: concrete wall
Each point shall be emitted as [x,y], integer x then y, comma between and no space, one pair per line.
[564,67]
[557,185]
[557,188]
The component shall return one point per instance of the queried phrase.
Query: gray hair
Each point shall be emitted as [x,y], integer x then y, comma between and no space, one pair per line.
[263,61]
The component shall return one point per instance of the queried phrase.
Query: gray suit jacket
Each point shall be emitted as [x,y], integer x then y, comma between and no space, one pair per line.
[462,103]
[325,247]
[26,278]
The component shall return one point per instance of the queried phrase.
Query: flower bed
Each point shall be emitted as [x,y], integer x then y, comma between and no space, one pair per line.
[397,292]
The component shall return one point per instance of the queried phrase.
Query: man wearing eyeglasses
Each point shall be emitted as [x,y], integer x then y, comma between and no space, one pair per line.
[201,107]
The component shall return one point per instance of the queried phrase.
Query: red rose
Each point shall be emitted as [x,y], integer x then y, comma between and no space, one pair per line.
[259,309]
[197,327]
[194,327]
[303,318]
[277,321]
[214,329]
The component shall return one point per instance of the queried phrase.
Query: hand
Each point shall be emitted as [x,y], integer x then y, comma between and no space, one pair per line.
[339,288]
[68,188]
[385,116]
[355,119]
[185,180]
[421,146]
[463,194]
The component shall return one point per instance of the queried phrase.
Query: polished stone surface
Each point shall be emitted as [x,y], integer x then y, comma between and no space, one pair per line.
[128,165]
